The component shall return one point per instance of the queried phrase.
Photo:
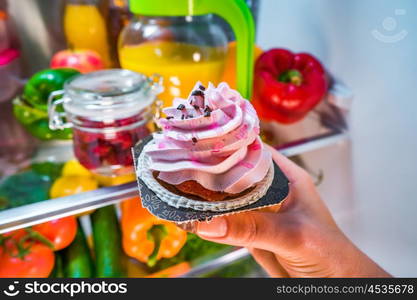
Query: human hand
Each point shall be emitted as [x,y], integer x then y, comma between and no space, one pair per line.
[301,240]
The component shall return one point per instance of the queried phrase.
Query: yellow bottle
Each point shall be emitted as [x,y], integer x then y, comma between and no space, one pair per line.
[85,28]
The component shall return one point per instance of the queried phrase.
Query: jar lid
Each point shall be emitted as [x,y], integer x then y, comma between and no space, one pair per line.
[113,93]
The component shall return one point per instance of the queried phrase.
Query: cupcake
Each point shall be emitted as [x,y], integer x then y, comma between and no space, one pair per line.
[209,154]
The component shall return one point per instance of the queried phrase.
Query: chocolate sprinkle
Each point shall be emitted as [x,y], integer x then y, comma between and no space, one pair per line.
[201,87]
[196,107]
[207,108]
[182,117]
[194,140]
[181,107]
[170,117]
[207,113]
[197,93]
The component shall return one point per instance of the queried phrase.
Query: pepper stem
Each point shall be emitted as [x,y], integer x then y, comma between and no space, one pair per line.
[156,234]
[291,76]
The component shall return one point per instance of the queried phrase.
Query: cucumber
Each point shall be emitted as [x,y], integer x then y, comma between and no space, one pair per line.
[107,243]
[77,259]
[58,270]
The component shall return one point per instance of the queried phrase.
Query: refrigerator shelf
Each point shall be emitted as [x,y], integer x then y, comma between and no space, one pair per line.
[32,214]
[218,261]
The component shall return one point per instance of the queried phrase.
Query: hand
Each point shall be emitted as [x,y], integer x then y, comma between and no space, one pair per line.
[301,240]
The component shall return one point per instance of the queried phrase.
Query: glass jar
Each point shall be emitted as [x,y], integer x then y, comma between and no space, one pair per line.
[182,49]
[109,111]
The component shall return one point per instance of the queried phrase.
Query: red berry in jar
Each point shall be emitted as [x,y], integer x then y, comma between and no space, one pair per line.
[98,144]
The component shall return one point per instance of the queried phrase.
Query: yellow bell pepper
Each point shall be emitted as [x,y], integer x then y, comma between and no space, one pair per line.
[74,168]
[146,237]
[172,272]
[70,185]
[114,180]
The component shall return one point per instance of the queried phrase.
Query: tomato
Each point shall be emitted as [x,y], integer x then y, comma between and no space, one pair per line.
[60,232]
[16,234]
[37,262]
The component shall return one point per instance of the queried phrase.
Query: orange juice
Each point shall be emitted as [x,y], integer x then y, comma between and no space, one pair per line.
[181,65]
[85,29]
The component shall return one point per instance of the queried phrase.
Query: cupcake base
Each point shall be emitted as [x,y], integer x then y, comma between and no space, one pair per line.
[193,190]
[168,206]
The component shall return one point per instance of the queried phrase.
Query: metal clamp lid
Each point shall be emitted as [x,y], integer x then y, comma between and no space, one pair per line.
[57,120]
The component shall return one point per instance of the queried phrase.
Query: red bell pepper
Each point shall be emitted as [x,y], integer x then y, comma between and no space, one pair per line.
[287,85]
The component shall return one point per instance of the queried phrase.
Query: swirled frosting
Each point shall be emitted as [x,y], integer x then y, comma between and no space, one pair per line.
[213,138]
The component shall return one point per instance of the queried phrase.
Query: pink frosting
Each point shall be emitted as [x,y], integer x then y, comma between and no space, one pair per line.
[221,149]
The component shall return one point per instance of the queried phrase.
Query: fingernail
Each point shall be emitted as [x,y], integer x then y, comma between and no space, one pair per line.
[189,226]
[216,228]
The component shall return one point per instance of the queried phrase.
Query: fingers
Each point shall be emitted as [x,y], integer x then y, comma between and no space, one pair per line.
[268,261]
[274,208]
[252,229]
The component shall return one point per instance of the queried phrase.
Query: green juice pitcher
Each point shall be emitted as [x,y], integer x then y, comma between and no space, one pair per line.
[180,40]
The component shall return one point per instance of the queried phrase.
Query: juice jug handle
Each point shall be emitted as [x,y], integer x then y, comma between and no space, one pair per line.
[238,15]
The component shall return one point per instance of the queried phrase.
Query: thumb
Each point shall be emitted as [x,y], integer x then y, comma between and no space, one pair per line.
[262,230]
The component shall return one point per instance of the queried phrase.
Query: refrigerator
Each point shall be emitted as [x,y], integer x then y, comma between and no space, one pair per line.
[358,144]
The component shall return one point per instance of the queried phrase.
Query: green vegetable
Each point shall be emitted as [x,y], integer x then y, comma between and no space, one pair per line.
[41,130]
[36,122]
[24,188]
[58,270]
[156,234]
[107,243]
[31,109]
[194,248]
[49,169]
[245,267]
[197,250]
[25,113]
[77,259]
[43,83]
